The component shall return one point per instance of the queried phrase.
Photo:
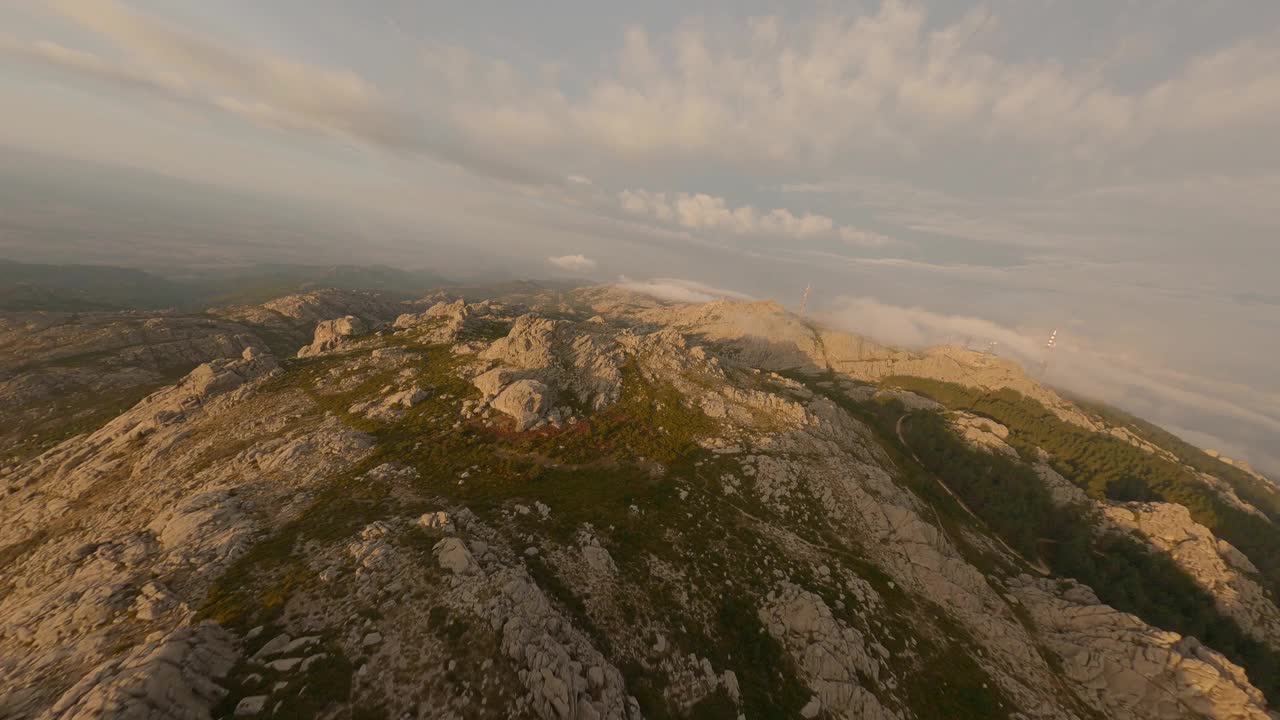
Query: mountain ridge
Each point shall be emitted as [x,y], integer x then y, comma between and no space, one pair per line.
[628,507]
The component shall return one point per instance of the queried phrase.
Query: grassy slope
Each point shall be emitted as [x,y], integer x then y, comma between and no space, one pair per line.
[621,470]
[1009,496]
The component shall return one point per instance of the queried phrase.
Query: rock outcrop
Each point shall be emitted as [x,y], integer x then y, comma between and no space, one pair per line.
[833,656]
[60,372]
[1213,563]
[1129,670]
[982,433]
[691,518]
[526,401]
[538,356]
[765,335]
[169,676]
[332,333]
[293,317]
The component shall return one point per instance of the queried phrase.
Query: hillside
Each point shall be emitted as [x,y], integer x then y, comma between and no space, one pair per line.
[28,287]
[588,503]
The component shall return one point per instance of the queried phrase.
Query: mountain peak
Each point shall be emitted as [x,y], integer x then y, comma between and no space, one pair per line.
[589,503]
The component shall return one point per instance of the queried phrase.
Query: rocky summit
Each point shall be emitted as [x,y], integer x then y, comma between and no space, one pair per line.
[594,504]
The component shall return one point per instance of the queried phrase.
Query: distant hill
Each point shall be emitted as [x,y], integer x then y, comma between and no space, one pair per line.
[77,288]
[26,286]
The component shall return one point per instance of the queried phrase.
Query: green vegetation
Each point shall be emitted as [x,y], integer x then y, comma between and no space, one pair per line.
[1126,574]
[1002,491]
[761,662]
[945,681]
[949,682]
[649,422]
[82,288]
[307,694]
[1261,494]
[77,412]
[1111,468]
[253,590]
[635,472]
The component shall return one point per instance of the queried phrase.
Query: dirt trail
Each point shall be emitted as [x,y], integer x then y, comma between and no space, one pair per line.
[1038,564]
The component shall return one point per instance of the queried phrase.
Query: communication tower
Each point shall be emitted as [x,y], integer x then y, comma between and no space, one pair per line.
[805,299]
[1048,351]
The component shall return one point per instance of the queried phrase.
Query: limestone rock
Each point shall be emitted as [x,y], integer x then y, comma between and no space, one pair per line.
[526,401]
[982,433]
[172,677]
[492,382]
[438,520]
[453,555]
[113,540]
[583,361]
[390,408]
[1129,670]
[332,333]
[1213,563]
[831,656]
[251,705]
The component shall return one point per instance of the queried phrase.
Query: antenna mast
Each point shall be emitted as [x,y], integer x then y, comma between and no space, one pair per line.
[1048,351]
[805,300]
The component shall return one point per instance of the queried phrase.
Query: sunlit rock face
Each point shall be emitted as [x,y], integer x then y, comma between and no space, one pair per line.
[566,505]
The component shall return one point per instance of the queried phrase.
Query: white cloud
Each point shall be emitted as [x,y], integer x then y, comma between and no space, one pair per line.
[1174,214]
[706,212]
[678,290]
[265,88]
[261,86]
[863,238]
[916,327]
[573,263]
[1129,381]
[812,89]
[76,61]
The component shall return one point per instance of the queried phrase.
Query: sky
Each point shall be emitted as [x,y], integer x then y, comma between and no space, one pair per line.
[936,171]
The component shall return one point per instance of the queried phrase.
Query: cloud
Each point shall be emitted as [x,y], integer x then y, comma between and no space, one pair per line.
[863,238]
[267,89]
[677,290]
[1168,218]
[262,86]
[706,212]
[74,61]
[810,90]
[573,263]
[1210,409]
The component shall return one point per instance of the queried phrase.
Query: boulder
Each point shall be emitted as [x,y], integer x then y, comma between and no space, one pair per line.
[438,520]
[172,676]
[453,555]
[332,333]
[526,401]
[491,383]
[391,407]
[251,705]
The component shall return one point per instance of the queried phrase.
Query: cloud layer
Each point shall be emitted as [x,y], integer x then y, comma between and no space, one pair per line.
[707,212]
[810,90]
[573,263]
[1226,413]
[679,290]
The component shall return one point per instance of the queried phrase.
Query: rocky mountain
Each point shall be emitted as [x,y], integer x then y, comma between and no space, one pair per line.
[587,503]
[86,288]
[62,373]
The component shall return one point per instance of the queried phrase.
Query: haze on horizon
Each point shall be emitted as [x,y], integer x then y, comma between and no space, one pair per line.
[934,169]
